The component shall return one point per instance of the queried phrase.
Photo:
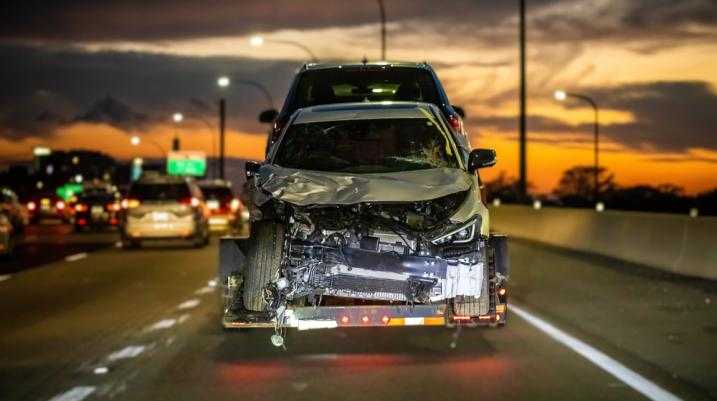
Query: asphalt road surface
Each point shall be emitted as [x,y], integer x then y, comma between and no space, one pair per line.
[111,324]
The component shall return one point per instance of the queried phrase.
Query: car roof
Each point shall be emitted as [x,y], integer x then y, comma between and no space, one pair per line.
[149,178]
[217,183]
[369,65]
[364,111]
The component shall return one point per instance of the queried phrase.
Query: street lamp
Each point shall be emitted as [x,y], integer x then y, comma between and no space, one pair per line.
[561,96]
[223,81]
[135,140]
[258,41]
[177,118]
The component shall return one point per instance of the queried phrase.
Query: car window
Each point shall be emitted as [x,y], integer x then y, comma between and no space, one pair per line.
[217,193]
[144,192]
[357,85]
[366,146]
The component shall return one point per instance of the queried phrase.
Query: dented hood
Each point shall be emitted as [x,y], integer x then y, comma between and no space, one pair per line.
[304,187]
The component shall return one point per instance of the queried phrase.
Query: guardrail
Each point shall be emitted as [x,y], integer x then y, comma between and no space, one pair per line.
[675,243]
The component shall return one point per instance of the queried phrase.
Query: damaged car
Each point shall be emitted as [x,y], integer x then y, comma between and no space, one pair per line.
[364,215]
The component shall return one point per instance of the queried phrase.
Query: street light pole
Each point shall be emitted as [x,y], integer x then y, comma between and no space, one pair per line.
[522,183]
[263,89]
[222,121]
[561,96]
[382,9]
[258,41]
[136,141]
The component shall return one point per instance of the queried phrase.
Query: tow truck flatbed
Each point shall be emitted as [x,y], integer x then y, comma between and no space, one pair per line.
[330,317]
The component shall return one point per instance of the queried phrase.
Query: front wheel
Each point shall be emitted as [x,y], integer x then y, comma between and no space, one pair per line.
[263,259]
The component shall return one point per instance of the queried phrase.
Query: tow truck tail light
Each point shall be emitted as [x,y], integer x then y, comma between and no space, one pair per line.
[461,318]
[365,319]
[344,319]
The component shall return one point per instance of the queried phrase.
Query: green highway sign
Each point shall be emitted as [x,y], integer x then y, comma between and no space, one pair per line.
[187,163]
[68,190]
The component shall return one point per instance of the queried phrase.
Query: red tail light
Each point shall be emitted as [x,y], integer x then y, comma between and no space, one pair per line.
[129,203]
[190,201]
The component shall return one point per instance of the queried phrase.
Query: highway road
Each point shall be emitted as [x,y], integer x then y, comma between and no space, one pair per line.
[92,321]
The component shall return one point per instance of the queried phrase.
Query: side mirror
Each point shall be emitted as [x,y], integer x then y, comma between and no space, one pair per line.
[251,168]
[459,110]
[480,158]
[268,116]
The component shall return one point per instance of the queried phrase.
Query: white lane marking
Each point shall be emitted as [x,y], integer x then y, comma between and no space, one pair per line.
[126,352]
[5,277]
[182,318]
[189,304]
[118,244]
[101,370]
[161,325]
[203,290]
[78,393]
[639,383]
[76,257]
[212,283]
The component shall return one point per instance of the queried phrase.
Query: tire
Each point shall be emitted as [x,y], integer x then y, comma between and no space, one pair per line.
[263,260]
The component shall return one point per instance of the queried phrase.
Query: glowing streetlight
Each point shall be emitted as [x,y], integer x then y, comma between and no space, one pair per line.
[223,81]
[256,41]
[135,140]
[561,95]
[177,117]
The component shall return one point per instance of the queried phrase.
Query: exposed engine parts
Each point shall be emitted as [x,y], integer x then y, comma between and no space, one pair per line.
[378,252]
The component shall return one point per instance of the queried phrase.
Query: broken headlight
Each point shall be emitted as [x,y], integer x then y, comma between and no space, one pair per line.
[462,234]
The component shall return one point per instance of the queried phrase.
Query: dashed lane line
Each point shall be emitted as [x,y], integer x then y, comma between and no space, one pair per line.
[78,393]
[5,277]
[637,382]
[189,304]
[75,257]
[127,352]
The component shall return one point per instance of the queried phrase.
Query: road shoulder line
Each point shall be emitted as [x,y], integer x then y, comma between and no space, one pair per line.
[631,378]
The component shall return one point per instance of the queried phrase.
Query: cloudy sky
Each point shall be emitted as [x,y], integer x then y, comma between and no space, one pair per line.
[89,74]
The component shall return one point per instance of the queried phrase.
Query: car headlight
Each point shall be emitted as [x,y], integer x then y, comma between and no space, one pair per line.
[460,235]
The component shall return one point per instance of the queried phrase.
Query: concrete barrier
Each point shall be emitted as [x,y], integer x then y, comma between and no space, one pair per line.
[675,243]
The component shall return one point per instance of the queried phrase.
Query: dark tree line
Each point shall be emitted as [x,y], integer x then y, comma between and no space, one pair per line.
[576,189]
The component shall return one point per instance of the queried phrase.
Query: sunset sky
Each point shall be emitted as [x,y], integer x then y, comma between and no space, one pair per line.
[89,74]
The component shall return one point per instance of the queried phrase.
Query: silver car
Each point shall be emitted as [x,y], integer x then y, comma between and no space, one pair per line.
[164,207]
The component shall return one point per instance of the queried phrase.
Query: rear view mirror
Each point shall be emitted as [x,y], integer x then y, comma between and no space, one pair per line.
[480,158]
[251,168]
[459,110]
[268,116]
